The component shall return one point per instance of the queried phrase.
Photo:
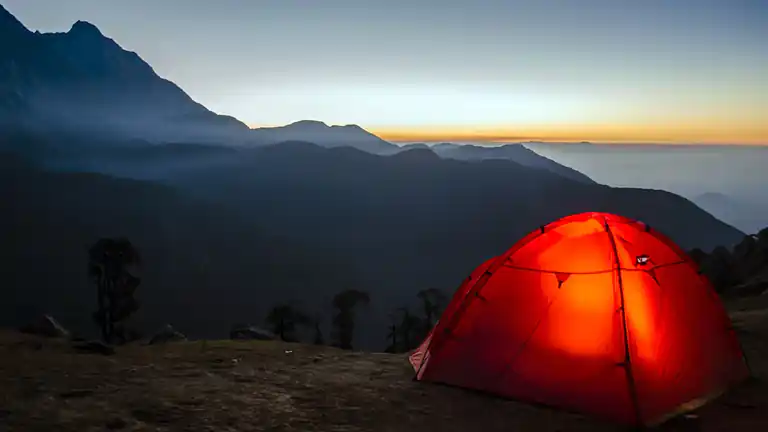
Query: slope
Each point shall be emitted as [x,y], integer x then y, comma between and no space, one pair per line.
[414,220]
[205,267]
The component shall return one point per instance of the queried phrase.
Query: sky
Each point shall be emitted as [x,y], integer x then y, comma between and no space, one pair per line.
[676,71]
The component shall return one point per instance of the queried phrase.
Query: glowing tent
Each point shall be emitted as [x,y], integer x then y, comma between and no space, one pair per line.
[593,313]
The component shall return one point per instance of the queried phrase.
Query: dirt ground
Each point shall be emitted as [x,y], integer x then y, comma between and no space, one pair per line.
[268,386]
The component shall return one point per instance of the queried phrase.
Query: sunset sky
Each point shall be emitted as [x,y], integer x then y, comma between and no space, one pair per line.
[483,70]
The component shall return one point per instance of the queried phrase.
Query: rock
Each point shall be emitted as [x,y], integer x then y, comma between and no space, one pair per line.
[46,326]
[96,347]
[167,334]
[251,333]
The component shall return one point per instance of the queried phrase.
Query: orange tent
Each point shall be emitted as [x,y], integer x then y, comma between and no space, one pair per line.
[593,313]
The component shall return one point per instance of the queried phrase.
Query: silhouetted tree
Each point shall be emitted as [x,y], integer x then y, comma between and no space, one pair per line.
[411,330]
[405,334]
[114,268]
[747,263]
[762,239]
[698,256]
[393,346]
[748,259]
[433,301]
[718,266]
[344,321]
[283,320]
[319,340]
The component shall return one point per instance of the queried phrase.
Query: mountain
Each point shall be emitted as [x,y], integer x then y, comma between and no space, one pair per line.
[513,152]
[416,189]
[749,218]
[415,220]
[82,81]
[346,210]
[324,135]
[400,222]
[205,266]
[412,146]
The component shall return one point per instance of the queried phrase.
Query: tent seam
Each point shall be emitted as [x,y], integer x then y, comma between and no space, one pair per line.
[627,357]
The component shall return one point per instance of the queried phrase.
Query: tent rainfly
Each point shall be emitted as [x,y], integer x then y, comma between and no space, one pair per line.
[594,313]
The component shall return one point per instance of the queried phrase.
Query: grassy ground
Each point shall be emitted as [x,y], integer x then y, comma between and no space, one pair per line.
[271,386]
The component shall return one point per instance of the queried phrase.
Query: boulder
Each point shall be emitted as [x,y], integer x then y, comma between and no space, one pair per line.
[251,333]
[167,334]
[46,326]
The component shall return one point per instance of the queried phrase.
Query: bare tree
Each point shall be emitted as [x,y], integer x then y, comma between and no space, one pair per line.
[113,266]
[284,319]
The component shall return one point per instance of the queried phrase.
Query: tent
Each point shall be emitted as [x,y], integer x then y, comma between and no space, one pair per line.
[594,313]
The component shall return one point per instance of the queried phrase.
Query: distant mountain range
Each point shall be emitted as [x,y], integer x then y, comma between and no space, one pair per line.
[343,208]
[82,82]
[513,152]
[324,135]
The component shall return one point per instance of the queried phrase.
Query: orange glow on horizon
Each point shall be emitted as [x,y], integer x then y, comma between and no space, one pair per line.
[748,134]
[713,133]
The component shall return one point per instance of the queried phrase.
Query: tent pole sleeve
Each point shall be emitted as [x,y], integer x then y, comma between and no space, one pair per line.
[627,357]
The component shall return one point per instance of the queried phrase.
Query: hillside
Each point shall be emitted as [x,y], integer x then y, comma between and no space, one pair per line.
[260,386]
[205,267]
[388,225]
[413,220]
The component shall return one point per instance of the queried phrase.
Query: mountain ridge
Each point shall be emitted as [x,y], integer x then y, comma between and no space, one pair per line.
[323,134]
[81,80]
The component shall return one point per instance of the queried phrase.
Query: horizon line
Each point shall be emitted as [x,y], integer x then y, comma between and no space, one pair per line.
[429,135]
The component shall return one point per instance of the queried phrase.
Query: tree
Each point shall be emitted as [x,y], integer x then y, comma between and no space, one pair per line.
[433,301]
[406,334]
[283,320]
[113,266]
[698,256]
[319,340]
[411,330]
[748,258]
[345,303]
[392,338]
[762,238]
[719,268]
